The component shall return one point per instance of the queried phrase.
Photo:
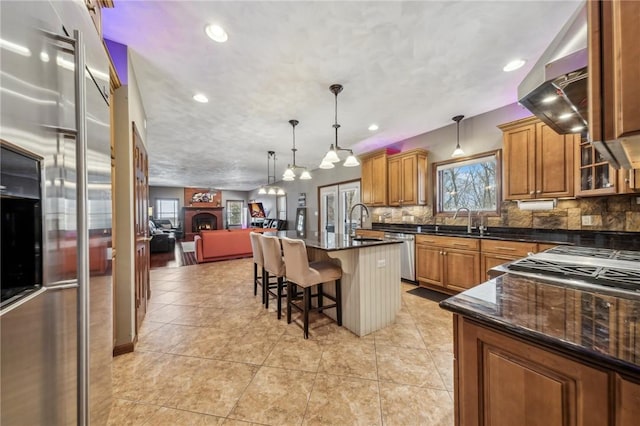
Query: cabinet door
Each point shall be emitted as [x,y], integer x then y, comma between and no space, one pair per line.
[519,163]
[502,380]
[429,264]
[491,260]
[409,185]
[366,181]
[554,162]
[461,269]
[627,411]
[379,180]
[626,67]
[395,181]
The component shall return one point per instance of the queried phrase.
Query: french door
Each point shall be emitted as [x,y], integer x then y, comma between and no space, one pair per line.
[335,203]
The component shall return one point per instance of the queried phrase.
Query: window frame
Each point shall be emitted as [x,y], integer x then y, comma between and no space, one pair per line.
[228,210]
[438,166]
[175,220]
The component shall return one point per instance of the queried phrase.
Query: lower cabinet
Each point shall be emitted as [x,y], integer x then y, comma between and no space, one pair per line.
[497,252]
[449,263]
[503,380]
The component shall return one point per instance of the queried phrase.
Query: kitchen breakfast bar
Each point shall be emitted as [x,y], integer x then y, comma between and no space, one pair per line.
[370,277]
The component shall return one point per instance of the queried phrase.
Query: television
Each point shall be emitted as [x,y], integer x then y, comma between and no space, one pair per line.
[256,210]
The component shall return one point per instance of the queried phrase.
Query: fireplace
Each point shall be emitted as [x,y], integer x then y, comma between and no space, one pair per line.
[203,222]
[198,219]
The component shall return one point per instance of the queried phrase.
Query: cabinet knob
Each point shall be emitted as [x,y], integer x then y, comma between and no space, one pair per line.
[531,193]
[538,191]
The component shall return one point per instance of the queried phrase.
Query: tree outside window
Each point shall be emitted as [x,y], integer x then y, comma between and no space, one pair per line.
[234,212]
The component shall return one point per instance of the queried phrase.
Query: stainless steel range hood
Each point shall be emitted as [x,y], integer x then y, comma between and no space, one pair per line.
[555,90]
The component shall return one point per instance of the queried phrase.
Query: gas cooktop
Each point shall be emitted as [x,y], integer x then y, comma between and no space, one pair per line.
[613,268]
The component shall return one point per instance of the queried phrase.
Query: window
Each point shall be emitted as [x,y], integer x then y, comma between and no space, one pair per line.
[471,182]
[167,208]
[234,212]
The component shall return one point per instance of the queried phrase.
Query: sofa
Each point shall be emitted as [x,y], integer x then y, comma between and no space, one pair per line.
[223,244]
[161,241]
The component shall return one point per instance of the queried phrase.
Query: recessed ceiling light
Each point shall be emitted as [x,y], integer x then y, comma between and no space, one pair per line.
[514,65]
[216,33]
[373,127]
[200,98]
[549,99]
[577,128]
[565,116]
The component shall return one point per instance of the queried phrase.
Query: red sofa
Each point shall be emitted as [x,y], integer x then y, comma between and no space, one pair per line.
[223,244]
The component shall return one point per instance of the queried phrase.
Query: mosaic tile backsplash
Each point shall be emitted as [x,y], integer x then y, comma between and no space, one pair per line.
[613,213]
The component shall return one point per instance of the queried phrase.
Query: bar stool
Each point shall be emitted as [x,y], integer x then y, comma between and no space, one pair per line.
[273,266]
[307,275]
[258,261]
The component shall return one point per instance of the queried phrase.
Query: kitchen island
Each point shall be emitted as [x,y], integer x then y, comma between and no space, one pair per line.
[530,350]
[370,277]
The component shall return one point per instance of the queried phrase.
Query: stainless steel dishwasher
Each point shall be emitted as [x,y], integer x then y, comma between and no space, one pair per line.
[407,254]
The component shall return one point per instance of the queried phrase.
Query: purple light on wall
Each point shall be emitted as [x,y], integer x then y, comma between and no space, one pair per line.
[118,53]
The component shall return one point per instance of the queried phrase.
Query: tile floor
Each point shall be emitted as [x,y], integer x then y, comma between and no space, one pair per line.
[209,353]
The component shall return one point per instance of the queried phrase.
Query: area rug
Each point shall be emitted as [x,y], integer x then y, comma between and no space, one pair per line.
[188,253]
[428,294]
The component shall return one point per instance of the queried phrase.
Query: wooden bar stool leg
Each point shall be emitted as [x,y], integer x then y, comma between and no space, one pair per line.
[307,308]
[320,297]
[339,301]
[265,289]
[280,284]
[263,286]
[255,279]
[289,290]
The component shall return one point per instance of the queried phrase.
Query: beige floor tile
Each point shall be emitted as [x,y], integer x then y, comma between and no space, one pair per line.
[162,339]
[129,413]
[250,347]
[203,342]
[215,388]
[437,338]
[234,422]
[444,364]
[296,353]
[408,405]
[166,297]
[199,317]
[407,366]
[400,334]
[171,417]
[166,313]
[275,396]
[349,359]
[339,400]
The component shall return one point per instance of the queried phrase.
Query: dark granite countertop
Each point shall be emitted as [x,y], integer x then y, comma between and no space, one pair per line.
[330,241]
[599,239]
[591,323]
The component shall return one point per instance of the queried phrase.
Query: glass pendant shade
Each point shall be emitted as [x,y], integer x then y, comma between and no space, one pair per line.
[305,175]
[351,161]
[332,156]
[326,165]
[281,191]
[458,152]
[272,191]
[262,190]
[289,174]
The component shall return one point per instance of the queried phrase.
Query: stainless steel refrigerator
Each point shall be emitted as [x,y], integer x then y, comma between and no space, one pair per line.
[56,316]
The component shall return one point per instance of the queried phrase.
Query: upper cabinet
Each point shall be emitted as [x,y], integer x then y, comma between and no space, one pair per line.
[614,86]
[407,179]
[538,162]
[374,178]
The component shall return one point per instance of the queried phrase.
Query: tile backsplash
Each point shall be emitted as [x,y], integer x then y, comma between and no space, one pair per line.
[612,213]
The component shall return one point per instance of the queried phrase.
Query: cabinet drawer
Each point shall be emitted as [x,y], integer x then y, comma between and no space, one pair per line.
[449,242]
[508,247]
[368,233]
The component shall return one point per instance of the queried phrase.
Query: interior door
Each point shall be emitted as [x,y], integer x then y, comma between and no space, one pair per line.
[335,203]
[328,208]
[349,195]
[141,227]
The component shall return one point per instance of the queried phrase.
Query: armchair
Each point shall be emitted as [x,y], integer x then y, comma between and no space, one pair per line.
[167,226]
[161,241]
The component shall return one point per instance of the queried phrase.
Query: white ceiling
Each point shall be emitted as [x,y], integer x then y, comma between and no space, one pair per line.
[407,66]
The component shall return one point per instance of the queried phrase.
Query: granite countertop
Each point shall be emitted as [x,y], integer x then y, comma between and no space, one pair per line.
[599,239]
[330,241]
[594,323]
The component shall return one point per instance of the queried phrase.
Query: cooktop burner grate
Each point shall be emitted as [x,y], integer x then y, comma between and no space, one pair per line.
[600,253]
[531,264]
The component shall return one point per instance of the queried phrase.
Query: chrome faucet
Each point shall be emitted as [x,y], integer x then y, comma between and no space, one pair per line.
[468,217]
[366,209]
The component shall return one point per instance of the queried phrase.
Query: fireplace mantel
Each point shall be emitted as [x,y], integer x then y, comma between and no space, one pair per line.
[191,211]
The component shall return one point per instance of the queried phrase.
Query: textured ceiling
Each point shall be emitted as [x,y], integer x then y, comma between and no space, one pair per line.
[407,66]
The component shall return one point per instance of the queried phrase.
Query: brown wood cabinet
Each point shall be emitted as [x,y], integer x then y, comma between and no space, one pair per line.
[373,183]
[627,409]
[538,162]
[497,252]
[503,380]
[614,66]
[407,179]
[369,233]
[447,263]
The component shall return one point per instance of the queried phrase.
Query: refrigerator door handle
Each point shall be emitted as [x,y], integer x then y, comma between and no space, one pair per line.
[83,231]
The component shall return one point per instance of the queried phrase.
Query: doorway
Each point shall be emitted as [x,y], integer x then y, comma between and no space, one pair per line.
[335,203]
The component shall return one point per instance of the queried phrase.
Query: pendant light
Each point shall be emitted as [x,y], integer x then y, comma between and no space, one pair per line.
[269,189]
[290,173]
[458,152]
[332,155]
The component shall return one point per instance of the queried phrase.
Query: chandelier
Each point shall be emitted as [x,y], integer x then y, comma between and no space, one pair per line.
[290,173]
[270,189]
[332,155]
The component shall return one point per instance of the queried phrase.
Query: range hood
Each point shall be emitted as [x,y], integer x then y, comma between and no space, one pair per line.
[555,90]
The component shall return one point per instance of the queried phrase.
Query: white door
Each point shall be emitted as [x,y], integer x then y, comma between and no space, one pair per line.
[335,203]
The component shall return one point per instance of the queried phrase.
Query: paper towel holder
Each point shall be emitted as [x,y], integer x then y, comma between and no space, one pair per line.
[538,204]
